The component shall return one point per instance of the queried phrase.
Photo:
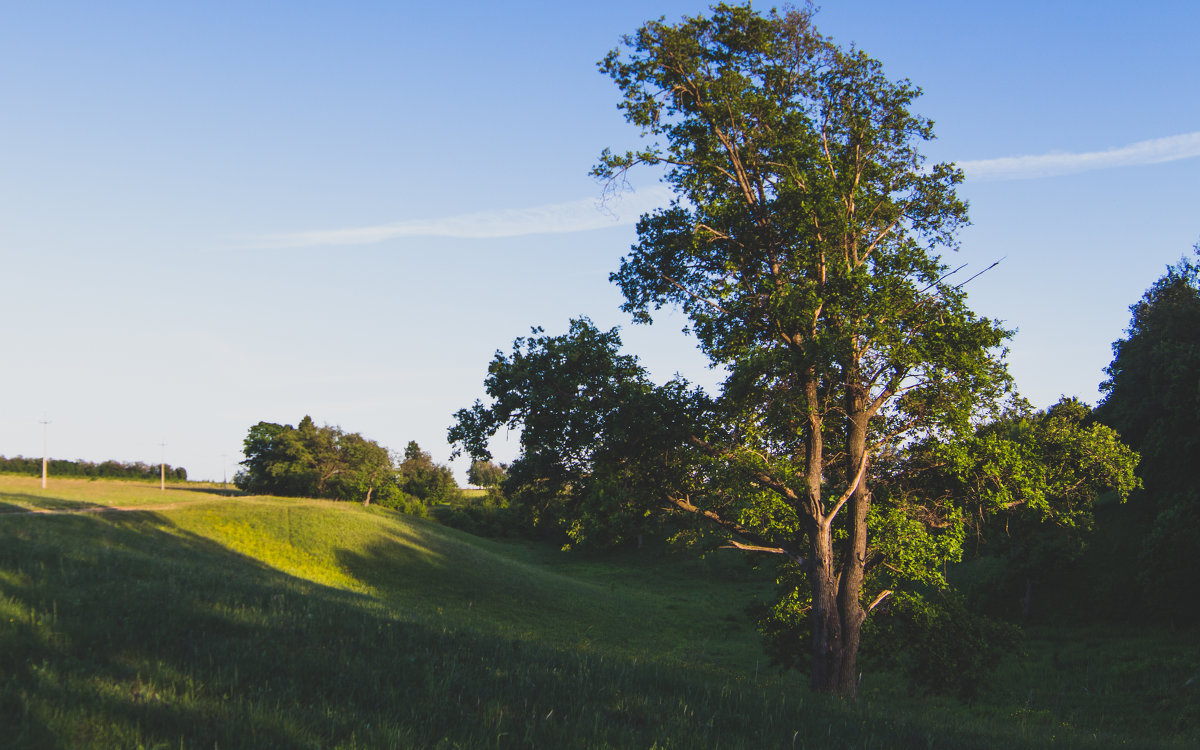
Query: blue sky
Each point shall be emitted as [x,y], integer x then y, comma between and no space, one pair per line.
[218,213]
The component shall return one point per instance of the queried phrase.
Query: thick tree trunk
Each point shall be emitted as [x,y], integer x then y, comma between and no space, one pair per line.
[838,614]
[854,558]
[828,644]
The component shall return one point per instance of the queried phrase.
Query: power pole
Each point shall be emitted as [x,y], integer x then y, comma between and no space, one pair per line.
[162,468]
[224,473]
[44,455]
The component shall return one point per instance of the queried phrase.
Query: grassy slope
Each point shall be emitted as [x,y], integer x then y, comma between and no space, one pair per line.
[209,622]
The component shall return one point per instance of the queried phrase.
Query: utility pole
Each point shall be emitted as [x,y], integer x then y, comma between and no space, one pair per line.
[224,473]
[44,455]
[162,468]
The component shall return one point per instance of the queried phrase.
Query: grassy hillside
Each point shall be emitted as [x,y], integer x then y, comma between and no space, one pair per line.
[194,620]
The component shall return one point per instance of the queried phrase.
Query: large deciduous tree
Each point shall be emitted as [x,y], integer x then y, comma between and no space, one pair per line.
[804,245]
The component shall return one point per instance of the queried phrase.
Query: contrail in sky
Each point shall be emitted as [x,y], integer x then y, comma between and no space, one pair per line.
[587,214]
[1154,151]
[556,218]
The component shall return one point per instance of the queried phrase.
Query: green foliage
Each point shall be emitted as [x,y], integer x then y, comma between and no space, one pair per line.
[803,248]
[1152,397]
[940,645]
[487,515]
[485,473]
[1152,394]
[596,435]
[418,476]
[1023,487]
[312,461]
[79,468]
[1167,563]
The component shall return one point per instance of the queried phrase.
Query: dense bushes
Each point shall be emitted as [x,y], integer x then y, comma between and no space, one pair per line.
[327,462]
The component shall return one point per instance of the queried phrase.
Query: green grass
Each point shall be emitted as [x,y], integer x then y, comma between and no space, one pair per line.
[201,621]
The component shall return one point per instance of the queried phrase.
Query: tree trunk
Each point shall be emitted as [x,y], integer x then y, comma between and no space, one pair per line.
[367,499]
[838,614]
[827,642]
[854,557]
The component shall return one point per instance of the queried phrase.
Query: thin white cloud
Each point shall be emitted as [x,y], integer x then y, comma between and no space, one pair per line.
[625,208]
[1154,151]
[556,218]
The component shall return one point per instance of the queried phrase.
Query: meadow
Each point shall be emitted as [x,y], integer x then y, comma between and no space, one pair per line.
[190,619]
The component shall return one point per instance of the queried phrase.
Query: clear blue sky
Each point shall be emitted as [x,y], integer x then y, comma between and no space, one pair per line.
[215,213]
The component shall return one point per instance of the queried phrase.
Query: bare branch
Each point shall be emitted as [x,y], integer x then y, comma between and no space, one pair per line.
[758,542]
[879,599]
[693,295]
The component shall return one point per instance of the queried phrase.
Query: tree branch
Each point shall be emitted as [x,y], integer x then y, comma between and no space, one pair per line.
[879,599]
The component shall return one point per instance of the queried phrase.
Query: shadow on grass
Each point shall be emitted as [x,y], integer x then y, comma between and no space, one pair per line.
[42,503]
[125,631]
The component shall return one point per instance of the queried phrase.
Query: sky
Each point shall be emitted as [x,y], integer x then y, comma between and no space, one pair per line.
[219,213]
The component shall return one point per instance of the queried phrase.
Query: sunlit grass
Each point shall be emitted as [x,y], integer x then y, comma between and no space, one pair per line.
[18,492]
[266,622]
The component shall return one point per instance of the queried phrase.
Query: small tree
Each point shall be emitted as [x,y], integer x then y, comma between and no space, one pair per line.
[425,480]
[484,473]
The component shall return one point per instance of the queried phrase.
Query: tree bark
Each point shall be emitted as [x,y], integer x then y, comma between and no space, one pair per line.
[854,558]
[827,641]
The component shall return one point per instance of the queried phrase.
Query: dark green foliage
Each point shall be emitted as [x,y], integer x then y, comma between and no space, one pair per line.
[485,473]
[80,468]
[596,436]
[1025,486]
[932,638]
[312,461]
[1152,397]
[1152,394]
[1169,559]
[487,515]
[418,476]
[939,644]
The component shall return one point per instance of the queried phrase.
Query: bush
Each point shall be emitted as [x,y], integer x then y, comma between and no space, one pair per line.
[940,645]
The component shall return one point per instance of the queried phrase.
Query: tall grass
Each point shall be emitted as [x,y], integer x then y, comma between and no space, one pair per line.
[268,623]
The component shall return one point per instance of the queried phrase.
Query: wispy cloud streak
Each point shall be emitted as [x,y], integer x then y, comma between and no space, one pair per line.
[557,218]
[1154,151]
[625,209]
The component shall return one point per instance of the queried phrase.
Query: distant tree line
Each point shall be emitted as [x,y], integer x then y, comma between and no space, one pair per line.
[80,468]
[327,462]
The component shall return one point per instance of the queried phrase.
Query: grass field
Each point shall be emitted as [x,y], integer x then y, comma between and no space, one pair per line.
[195,620]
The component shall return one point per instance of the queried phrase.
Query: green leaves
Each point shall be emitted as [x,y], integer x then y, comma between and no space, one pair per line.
[312,461]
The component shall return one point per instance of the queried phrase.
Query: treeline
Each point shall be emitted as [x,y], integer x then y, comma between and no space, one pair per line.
[79,468]
[327,462]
